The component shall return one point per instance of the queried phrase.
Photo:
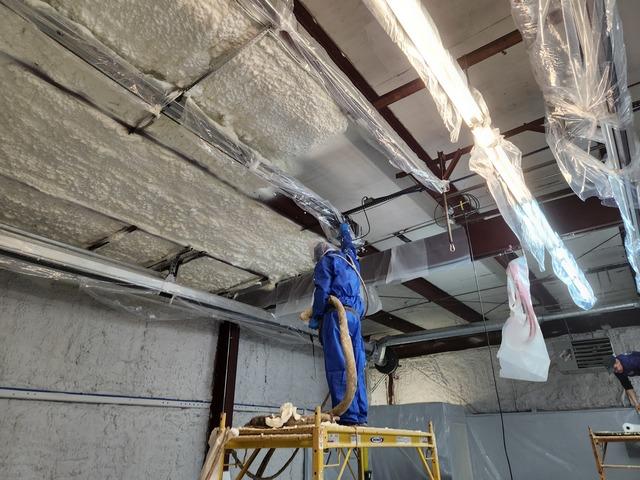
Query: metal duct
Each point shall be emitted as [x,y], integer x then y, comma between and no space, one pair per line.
[377,269]
[479,328]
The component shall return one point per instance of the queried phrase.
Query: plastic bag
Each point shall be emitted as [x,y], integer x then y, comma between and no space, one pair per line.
[523,354]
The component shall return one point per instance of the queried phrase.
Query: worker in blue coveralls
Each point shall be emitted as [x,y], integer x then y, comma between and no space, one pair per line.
[624,366]
[336,273]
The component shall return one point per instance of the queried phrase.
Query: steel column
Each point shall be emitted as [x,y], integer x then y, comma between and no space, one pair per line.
[224,376]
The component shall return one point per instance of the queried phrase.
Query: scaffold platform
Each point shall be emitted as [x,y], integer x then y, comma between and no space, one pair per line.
[599,443]
[348,442]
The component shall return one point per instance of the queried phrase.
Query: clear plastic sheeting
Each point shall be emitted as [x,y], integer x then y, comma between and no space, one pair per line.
[147,304]
[396,265]
[578,56]
[26,268]
[315,60]
[163,99]
[294,298]
[449,422]
[499,164]
[448,112]
[154,305]
[408,263]
[523,353]
[498,161]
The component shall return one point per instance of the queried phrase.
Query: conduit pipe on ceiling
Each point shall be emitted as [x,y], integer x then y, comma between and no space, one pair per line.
[380,346]
[53,259]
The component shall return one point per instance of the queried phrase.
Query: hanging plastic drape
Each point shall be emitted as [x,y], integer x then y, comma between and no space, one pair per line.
[577,52]
[497,160]
[523,354]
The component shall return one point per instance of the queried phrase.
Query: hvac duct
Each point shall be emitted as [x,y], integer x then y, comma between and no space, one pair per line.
[381,346]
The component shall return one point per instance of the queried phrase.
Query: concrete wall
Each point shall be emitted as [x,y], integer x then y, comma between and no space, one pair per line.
[55,337]
[465,378]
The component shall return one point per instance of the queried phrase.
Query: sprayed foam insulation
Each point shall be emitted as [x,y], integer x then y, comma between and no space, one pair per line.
[211,275]
[138,247]
[272,103]
[23,41]
[36,212]
[263,94]
[173,40]
[72,152]
[226,169]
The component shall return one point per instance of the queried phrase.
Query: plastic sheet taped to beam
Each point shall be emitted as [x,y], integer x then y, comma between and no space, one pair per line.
[396,265]
[577,52]
[162,99]
[494,158]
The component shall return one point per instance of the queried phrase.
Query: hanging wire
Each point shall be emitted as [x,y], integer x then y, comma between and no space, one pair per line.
[364,210]
[598,245]
[493,368]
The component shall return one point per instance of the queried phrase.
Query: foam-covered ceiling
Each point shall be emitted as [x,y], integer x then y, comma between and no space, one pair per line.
[75,173]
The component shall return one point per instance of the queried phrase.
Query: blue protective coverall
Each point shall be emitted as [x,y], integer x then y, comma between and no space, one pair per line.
[630,368]
[334,276]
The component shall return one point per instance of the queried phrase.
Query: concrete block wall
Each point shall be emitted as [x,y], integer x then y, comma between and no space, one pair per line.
[270,373]
[465,378]
[54,337]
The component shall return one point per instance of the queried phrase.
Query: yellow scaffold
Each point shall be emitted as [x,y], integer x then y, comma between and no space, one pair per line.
[599,443]
[348,442]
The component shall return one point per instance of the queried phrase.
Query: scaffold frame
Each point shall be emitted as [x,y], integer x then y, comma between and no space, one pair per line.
[349,441]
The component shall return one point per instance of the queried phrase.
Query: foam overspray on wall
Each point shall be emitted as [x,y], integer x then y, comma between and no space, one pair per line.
[465,378]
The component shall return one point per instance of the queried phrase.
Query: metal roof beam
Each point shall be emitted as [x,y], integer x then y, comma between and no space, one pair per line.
[498,45]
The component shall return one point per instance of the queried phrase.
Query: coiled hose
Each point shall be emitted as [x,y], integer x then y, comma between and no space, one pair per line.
[350,367]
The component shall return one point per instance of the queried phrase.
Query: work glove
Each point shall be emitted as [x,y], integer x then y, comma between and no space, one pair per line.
[314,323]
[344,230]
